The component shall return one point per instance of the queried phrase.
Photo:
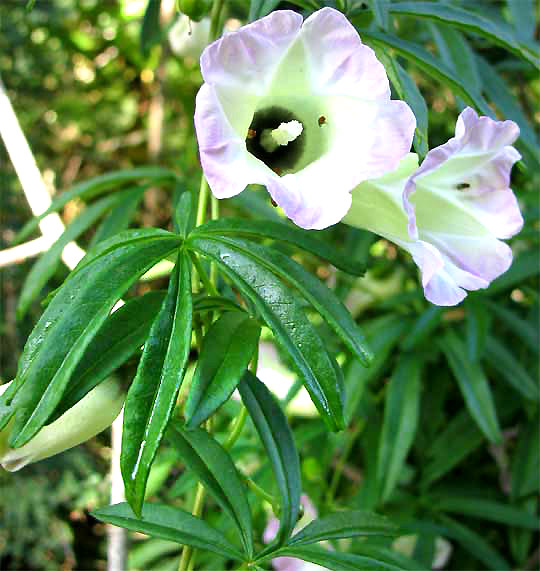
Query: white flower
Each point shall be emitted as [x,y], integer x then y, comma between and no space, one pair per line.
[271,75]
[450,213]
[91,415]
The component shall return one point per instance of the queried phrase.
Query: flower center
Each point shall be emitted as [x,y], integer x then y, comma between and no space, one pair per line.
[277,138]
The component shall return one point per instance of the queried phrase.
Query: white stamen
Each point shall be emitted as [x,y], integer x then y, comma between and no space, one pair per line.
[286,133]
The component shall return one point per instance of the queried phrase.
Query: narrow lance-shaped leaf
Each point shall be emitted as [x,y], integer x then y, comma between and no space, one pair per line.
[150,29]
[473,385]
[350,523]
[152,396]
[70,322]
[216,470]
[282,233]
[320,296]
[283,314]
[94,187]
[47,264]
[227,349]
[271,424]
[400,421]
[122,334]
[172,524]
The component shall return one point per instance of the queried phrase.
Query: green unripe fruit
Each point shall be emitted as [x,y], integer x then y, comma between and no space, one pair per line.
[196,10]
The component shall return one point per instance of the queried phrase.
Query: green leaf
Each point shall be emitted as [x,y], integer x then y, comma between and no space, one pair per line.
[119,217]
[526,332]
[215,468]
[260,8]
[350,523]
[380,11]
[152,395]
[227,349]
[72,319]
[429,64]
[334,560]
[524,18]
[400,421]
[122,334]
[526,461]
[471,541]
[457,54]
[508,104]
[473,385]
[485,509]
[511,370]
[169,523]
[424,326]
[477,326]
[283,314]
[468,22]
[150,29]
[183,215]
[94,187]
[323,299]
[47,264]
[215,302]
[282,233]
[271,424]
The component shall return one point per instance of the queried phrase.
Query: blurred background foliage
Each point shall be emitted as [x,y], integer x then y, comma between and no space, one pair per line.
[90,100]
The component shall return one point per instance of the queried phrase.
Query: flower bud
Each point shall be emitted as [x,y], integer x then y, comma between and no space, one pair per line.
[195,10]
[91,415]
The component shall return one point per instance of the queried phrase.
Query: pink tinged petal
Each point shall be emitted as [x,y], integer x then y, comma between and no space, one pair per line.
[339,63]
[248,57]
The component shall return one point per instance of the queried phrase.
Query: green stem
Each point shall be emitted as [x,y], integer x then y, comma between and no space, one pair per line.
[239,423]
[215,17]
[187,561]
[203,200]
[207,283]
[263,494]
[342,461]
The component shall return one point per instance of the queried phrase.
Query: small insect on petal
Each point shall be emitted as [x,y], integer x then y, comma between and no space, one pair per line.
[463,186]
[251,134]
[273,202]
[322,120]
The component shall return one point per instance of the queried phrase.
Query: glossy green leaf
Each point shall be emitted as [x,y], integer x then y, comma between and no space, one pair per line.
[401,411]
[183,215]
[485,509]
[122,334]
[48,263]
[524,17]
[510,369]
[169,523]
[335,314]
[429,64]
[477,327]
[473,385]
[350,523]
[152,396]
[444,13]
[284,315]
[526,461]
[227,349]
[150,29]
[215,469]
[271,424]
[336,561]
[72,319]
[282,233]
[96,186]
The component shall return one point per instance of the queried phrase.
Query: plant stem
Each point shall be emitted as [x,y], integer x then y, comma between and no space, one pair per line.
[263,494]
[187,561]
[203,200]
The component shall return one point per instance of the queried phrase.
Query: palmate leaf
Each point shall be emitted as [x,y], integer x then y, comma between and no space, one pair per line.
[215,468]
[96,186]
[152,396]
[227,349]
[122,334]
[70,322]
[282,313]
[280,232]
[169,523]
[271,424]
[322,298]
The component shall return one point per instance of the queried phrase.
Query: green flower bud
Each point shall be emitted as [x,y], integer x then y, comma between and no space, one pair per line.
[196,10]
[91,415]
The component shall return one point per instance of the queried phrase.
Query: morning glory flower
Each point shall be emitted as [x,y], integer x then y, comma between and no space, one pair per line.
[302,108]
[453,211]
[90,416]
